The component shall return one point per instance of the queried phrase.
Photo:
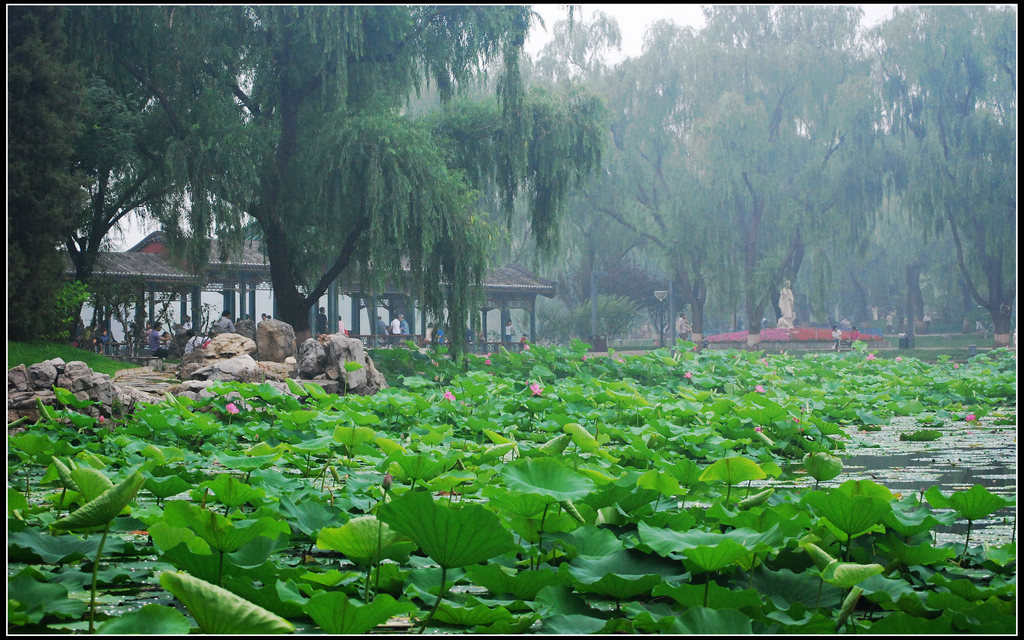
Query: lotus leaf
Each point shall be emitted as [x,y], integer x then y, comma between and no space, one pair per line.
[29,599]
[522,585]
[848,574]
[452,537]
[659,481]
[152,619]
[336,613]
[822,466]
[706,621]
[622,574]
[733,471]
[547,477]
[104,507]
[220,532]
[466,616]
[217,610]
[852,515]
[232,492]
[581,437]
[365,541]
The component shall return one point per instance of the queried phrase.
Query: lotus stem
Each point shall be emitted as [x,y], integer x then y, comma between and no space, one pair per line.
[95,575]
[437,603]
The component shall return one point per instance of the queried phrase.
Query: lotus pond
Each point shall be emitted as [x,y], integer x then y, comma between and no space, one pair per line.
[549,491]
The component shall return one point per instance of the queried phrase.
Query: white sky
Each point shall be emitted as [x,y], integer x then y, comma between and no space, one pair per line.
[634,19]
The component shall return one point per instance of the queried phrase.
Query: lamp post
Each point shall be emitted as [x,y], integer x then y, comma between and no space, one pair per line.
[661,295]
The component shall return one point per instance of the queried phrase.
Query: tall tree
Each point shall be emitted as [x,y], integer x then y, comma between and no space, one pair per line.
[44,194]
[786,139]
[951,97]
[294,116]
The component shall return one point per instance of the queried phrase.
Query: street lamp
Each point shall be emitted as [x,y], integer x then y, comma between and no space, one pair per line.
[661,295]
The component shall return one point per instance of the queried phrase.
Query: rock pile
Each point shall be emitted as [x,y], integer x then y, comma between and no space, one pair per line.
[26,384]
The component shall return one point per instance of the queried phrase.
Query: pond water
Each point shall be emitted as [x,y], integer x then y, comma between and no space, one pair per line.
[981,452]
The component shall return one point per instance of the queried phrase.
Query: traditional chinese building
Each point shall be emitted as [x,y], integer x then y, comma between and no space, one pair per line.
[238,278]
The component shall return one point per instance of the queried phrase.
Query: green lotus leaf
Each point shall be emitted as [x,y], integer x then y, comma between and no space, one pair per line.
[516,503]
[167,487]
[622,574]
[865,487]
[152,619]
[365,541]
[217,610]
[581,437]
[923,554]
[822,466]
[314,445]
[248,463]
[659,481]
[310,515]
[590,540]
[220,532]
[334,612]
[29,599]
[522,585]
[712,558]
[547,477]
[451,536]
[977,502]
[849,574]
[232,492]
[52,549]
[819,556]
[417,466]
[572,624]
[166,536]
[64,472]
[352,436]
[104,507]
[481,614]
[90,482]
[556,445]
[733,471]
[706,621]
[853,515]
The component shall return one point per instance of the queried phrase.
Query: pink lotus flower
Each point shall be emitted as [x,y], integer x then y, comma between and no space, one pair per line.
[759,389]
[102,419]
[956,366]
[970,417]
[871,356]
[448,395]
[487,361]
[526,347]
[535,388]
[231,408]
[584,358]
[899,359]
[796,419]
[758,429]
[386,482]
[689,374]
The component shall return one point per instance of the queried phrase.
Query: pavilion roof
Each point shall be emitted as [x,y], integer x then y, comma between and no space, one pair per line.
[148,259]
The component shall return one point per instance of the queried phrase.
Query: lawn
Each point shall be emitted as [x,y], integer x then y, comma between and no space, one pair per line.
[28,353]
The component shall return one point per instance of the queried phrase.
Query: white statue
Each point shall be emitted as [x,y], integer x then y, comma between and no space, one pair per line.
[786,307]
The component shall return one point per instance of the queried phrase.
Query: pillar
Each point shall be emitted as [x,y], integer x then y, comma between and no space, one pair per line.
[332,307]
[197,309]
[357,311]
[241,299]
[252,304]
[152,301]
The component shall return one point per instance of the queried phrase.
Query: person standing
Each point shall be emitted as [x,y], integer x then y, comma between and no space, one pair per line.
[837,335]
[341,326]
[382,329]
[321,321]
[396,326]
[508,332]
[403,326]
[186,323]
[927,319]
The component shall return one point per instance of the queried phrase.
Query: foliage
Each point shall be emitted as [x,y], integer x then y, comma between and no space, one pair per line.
[62,312]
[540,491]
[615,317]
[28,353]
[43,118]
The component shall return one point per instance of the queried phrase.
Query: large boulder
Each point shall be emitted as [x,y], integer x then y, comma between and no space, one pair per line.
[247,328]
[275,340]
[328,357]
[241,368]
[229,345]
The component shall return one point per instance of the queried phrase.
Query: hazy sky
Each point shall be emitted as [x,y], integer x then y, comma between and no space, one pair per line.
[634,19]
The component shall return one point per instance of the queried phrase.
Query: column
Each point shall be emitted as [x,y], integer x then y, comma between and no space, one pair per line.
[241,299]
[252,304]
[356,328]
[197,309]
[152,301]
[332,307]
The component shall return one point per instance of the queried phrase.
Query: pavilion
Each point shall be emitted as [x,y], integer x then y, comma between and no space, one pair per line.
[239,277]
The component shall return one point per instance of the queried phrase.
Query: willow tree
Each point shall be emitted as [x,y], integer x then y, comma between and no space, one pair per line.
[294,118]
[786,141]
[951,96]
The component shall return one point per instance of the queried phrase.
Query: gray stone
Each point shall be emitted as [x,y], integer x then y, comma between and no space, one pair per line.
[246,328]
[42,375]
[312,358]
[275,340]
[241,368]
[18,379]
[229,345]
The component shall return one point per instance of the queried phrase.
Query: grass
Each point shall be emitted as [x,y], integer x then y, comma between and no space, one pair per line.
[28,353]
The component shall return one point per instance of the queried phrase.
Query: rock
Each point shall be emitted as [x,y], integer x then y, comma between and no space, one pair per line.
[328,356]
[277,370]
[42,375]
[18,379]
[312,358]
[246,328]
[241,368]
[229,345]
[275,341]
